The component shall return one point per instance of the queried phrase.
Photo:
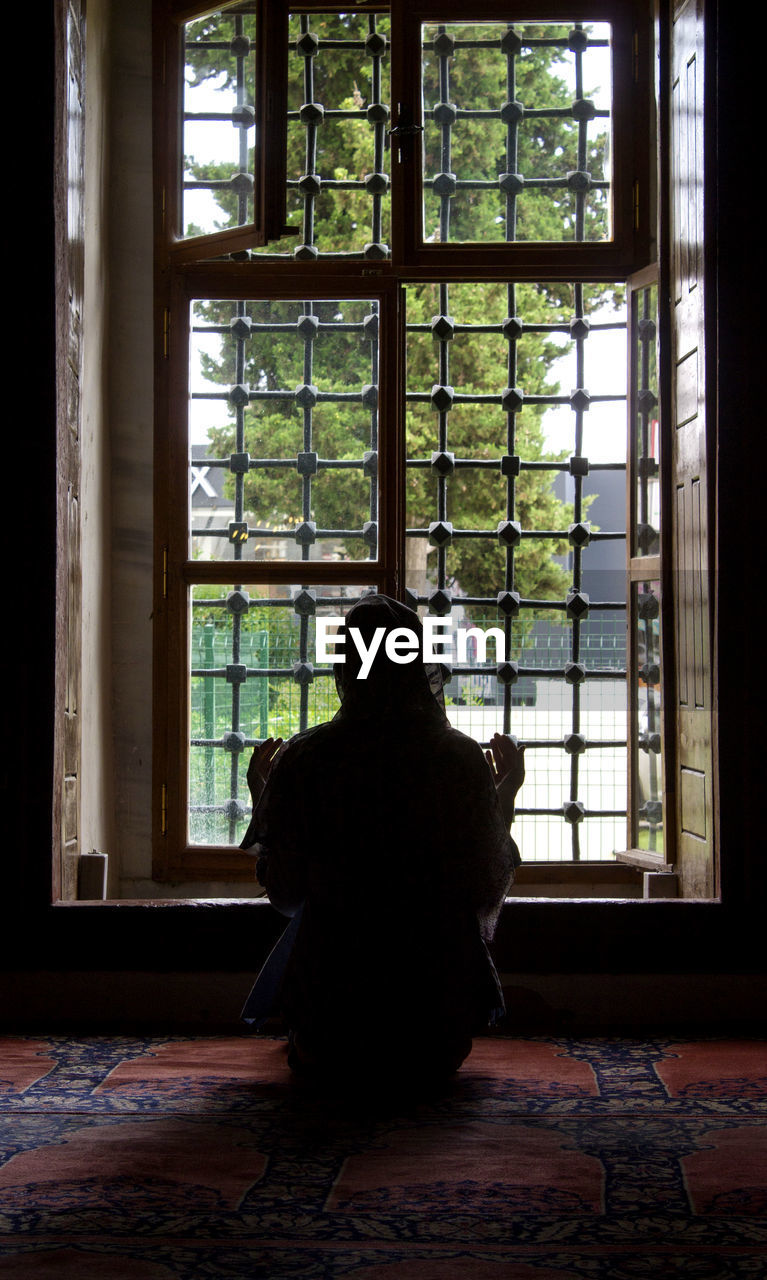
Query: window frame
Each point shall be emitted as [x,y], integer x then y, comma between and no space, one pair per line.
[180,277]
[630,247]
[642,568]
[269,148]
[174,857]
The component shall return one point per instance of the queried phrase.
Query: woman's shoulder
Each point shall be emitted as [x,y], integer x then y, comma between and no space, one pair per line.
[460,743]
[434,738]
[308,740]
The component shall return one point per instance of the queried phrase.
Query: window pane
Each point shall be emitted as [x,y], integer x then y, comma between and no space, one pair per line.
[516,132]
[338,115]
[648,777]
[253,676]
[284,430]
[218,121]
[645,432]
[516,519]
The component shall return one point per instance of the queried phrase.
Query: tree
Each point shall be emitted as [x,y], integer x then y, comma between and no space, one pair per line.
[478,363]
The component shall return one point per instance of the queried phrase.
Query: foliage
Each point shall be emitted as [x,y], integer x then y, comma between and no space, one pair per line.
[478,364]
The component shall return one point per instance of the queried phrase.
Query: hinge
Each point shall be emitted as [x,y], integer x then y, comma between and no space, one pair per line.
[165,573]
[162,211]
[636,57]
[164,809]
[636,204]
[165,332]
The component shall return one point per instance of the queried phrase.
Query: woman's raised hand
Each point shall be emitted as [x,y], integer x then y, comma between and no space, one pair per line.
[507,765]
[261,764]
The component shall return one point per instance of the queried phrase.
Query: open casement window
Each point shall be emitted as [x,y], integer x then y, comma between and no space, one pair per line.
[220,131]
[385,403]
[649,825]
[520,137]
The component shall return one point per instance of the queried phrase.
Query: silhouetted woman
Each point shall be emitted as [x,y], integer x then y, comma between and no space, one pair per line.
[387,832]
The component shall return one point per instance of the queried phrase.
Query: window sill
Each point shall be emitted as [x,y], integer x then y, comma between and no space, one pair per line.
[576,880]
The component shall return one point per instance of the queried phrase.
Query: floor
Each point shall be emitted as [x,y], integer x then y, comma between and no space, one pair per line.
[167,1158]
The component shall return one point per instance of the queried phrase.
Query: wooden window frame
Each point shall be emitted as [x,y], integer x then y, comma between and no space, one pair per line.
[270,57]
[182,274]
[174,858]
[630,246]
[642,568]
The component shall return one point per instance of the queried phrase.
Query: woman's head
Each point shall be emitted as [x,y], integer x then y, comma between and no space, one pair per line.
[388,687]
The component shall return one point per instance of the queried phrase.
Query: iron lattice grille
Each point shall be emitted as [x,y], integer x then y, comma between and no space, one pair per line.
[646,611]
[320,495]
[219,96]
[583,652]
[338,119]
[288,471]
[517,151]
[646,439]
[253,676]
[296,488]
[649,776]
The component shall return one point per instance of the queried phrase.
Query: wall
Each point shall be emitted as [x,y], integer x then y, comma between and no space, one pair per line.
[118,556]
[130,429]
[97,797]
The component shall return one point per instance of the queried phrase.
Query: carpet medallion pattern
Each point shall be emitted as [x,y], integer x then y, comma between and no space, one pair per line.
[167,1158]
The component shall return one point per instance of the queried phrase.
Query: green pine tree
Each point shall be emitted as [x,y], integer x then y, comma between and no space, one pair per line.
[478,362]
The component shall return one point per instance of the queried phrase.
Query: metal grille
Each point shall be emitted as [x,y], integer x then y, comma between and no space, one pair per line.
[284,438]
[566,652]
[474,452]
[295,451]
[219,97]
[338,116]
[284,466]
[515,141]
[649,781]
[645,432]
[646,613]
[252,677]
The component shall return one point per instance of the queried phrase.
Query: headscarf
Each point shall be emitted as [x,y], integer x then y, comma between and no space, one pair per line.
[390,688]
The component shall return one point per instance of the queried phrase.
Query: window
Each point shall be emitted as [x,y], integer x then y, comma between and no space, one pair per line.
[646,778]
[218,92]
[364,401]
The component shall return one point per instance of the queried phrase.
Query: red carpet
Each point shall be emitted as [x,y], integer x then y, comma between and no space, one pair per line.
[152,1158]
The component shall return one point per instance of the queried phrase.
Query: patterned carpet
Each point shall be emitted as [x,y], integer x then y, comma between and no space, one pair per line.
[153,1158]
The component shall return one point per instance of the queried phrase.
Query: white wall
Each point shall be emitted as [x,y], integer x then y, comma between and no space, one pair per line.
[118,454]
[97,797]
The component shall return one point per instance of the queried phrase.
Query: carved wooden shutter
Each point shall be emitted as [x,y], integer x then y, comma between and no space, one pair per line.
[691,478]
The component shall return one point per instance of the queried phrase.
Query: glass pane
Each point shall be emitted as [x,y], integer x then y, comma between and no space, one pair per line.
[338,116]
[253,676]
[516,132]
[648,752]
[218,121]
[644,422]
[284,430]
[516,495]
